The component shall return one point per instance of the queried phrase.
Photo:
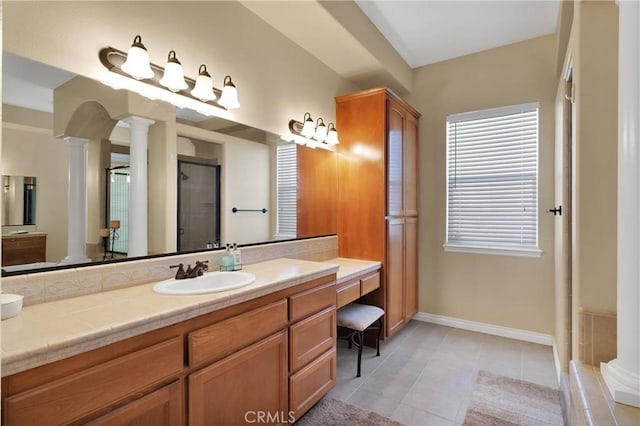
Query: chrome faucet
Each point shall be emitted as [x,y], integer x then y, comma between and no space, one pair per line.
[198,270]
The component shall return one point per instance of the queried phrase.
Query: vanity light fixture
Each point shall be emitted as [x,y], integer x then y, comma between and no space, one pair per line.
[173,78]
[133,71]
[321,131]
[229,97]
[308,128]
[310,135]
[332,135]
[137,64]
[203,89]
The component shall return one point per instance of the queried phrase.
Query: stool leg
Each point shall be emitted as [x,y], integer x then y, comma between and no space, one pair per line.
[379,333]
[360,336]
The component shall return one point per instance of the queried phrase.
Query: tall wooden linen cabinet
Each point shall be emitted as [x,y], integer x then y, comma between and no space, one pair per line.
[377,195]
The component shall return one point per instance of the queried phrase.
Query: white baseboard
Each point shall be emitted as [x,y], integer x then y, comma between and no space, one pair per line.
[496,330]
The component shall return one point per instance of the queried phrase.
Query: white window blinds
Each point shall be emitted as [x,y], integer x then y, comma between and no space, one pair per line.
[492,173]
[286,170]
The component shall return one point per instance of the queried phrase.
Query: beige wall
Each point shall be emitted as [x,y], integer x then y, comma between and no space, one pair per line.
[276,79]
[515,292]
[592,49]
[595,59]
[25,132]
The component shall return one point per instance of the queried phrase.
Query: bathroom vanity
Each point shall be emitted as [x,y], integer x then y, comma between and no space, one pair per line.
[18,249]
[218,358]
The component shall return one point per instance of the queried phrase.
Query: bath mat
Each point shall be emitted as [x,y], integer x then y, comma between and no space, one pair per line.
[333,412]
[503,401]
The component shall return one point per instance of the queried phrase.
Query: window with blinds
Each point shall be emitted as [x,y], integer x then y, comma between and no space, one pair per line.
[286,177]
[492,181]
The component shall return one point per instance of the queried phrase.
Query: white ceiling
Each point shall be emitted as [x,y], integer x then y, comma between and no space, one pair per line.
[429,31]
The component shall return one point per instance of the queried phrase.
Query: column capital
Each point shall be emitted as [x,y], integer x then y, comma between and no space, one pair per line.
[135,121]
[75,140]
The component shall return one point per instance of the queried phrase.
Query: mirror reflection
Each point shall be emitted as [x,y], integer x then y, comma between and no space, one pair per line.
[18,200]
[208,181]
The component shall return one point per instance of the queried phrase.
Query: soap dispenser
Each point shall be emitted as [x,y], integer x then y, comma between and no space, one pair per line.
[237,259]
[226,261]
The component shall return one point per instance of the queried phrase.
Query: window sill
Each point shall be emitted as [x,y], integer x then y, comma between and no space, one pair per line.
[520,252]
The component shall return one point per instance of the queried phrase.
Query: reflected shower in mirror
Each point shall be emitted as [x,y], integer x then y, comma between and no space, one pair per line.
[246,161]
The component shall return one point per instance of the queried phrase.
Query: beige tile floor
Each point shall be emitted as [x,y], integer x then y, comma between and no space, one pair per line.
[425,374]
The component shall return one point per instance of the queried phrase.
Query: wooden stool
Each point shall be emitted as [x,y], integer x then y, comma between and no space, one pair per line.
[359,318]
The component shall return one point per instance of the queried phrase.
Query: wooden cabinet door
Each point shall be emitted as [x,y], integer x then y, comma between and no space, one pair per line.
[162,407]
[395,158]
[410,184]
[395,267]
[411,267]
[254,379]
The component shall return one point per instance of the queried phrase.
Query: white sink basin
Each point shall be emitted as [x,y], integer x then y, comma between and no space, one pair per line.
[210,282]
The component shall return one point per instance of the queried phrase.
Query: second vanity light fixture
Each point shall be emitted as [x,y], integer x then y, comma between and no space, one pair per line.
[135,63]
[312,134]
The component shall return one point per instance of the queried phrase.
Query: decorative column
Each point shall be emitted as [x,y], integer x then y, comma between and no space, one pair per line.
[622,375]
[77,203]
[138,219]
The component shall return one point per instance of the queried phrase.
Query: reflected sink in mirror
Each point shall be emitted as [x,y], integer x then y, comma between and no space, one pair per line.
[210,282]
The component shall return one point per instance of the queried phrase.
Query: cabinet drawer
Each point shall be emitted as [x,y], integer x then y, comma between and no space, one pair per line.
[308,302]
[311,337]
[80,394]
[370,283]
[309,385]
[160,408]
[220,339]
[347,293]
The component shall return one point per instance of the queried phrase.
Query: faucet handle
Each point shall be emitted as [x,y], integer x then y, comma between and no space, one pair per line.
[180,274]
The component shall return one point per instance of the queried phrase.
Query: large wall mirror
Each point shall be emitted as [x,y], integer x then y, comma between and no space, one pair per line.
[211,181]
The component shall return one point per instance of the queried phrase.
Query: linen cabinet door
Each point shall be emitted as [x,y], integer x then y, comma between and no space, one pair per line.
[394,273]
[411,267]
[237,388]
[410,166]
[395,158]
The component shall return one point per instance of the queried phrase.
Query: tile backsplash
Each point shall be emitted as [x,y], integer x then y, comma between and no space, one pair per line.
[48,286]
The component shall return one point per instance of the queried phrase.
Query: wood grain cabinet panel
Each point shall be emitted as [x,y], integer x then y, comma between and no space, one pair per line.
[395,312]
[18,250]
[370,283]
[220,339]
[310,384]
[253,379]
[347,292]
[305,303]
[78,395]
[411,267]
[311,337]
[163,407]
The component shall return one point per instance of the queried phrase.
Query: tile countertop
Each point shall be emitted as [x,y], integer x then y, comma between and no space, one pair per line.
[52,331]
